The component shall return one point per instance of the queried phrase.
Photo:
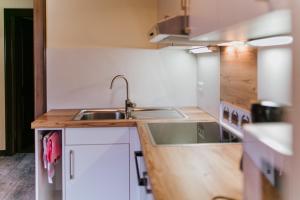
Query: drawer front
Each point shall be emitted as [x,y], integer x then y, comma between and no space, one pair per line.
[77,136]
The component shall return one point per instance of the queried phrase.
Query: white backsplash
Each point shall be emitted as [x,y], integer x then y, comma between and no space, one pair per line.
[275,74]
[208,89]
[80,78]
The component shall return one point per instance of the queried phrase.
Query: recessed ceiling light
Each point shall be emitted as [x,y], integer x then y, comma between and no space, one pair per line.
[200,50]
[271,41]
[232,43]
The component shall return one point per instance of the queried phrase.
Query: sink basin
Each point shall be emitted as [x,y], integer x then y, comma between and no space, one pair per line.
[157,113]
[99,115]
[137,113]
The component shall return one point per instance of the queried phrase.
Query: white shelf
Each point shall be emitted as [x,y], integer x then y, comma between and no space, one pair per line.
[277,136]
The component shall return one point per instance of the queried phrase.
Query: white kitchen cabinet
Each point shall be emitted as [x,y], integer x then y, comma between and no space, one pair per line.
[170,8]
[109,135]
[97,172]
[232,12]
[97,163]
[204,17]
[43,189]
[207,16]
[280,4]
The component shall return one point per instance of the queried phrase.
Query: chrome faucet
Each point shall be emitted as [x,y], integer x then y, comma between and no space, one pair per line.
[129,105]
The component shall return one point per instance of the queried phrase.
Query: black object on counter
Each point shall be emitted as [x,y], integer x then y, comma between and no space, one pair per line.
[266,111]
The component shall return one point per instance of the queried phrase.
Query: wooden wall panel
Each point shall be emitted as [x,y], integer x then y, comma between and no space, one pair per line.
[239,76]
[40,93]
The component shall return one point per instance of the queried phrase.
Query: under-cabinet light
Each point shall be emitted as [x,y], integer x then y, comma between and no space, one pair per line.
[179,47]
[271,41]
[200,50]
[232,43]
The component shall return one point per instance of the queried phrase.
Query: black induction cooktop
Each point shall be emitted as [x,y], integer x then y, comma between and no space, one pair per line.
[190,133]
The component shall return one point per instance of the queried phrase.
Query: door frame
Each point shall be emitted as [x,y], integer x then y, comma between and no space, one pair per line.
[40,87]
[10,97]
[39,32]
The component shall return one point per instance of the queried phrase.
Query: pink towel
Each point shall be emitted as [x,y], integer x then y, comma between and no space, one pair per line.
[53,152]
[53,147]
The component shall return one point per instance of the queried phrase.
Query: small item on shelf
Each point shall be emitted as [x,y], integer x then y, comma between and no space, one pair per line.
[52,152]
[235,118]
[266,111]
[226,113]
[245,120]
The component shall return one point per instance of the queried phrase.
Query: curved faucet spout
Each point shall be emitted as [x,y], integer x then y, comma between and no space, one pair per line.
[128,104]
[126,81]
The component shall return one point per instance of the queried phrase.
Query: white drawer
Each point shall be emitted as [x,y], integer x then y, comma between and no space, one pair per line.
[118,135]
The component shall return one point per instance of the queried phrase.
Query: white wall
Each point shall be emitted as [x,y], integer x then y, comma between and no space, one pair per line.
[6,4]
[98,23]
[80,77]
[209,83]
[275,74]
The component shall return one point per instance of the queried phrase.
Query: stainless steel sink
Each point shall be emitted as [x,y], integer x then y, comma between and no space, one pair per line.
[100,115]
[157,113]
[137,113]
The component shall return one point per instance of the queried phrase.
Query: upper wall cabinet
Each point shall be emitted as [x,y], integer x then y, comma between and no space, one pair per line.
[170,8]
[231,12]
[214,15]
[211,21]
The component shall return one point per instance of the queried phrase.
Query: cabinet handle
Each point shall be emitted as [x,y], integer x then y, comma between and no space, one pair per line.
[141,181]
[147,187]
[72,164]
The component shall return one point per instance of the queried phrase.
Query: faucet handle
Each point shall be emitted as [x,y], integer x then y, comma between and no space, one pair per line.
[130,104]
[133,105]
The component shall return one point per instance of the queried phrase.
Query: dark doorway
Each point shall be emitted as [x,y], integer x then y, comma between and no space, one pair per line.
[19,80]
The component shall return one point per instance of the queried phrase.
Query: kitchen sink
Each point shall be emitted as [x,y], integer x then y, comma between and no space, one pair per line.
[137,113]
[100,115]
[157,113]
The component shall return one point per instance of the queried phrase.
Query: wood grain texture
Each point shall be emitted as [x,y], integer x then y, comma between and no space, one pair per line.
[40,91]
[252,185]
[190,172]
[239,76]
[193,172]
[268,191]
[256,185]
[63,118]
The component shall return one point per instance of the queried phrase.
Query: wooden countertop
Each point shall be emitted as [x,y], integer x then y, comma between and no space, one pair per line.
[181,172]
[193,172]
[63,118]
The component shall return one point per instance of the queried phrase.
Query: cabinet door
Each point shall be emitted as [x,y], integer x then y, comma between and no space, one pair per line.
[207,16]
[232,12]
[97,172]
[280,4]
[169,8]
[203,17]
